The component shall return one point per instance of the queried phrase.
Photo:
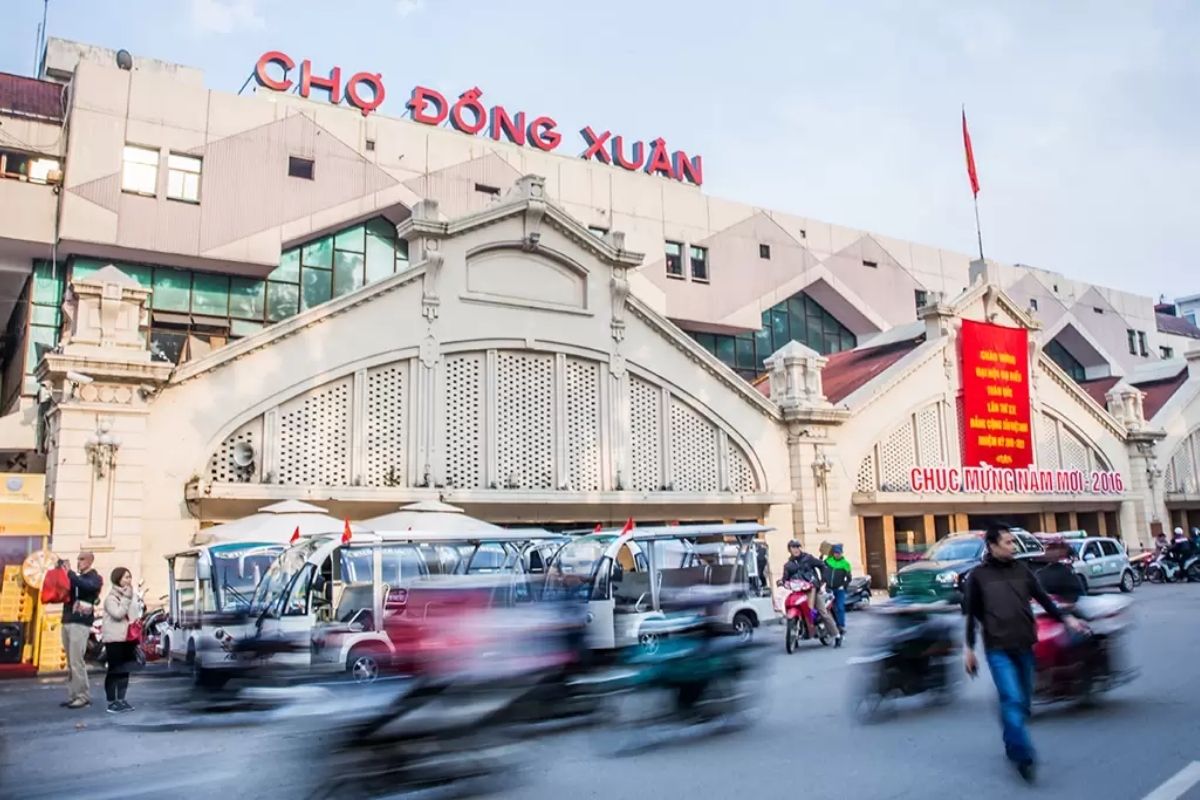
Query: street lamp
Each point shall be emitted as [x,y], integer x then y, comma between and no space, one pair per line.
[102,448]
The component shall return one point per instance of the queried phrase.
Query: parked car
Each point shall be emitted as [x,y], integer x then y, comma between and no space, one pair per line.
[1102,564]
[942,572]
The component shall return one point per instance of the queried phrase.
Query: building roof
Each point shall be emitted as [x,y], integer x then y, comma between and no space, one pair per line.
[1098,388]
[29,97]
[1158,390]
[1177,326]
[851,369]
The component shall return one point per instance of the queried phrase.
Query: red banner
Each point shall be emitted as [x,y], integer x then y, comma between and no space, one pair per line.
[995,378]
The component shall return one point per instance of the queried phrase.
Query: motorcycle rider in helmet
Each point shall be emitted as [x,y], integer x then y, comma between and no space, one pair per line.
[1180,552]
[807,567]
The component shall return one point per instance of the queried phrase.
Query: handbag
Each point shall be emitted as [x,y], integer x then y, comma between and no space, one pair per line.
[56,586]
[134,633]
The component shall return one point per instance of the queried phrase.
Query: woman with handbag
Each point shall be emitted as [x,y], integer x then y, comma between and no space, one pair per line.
[121,634]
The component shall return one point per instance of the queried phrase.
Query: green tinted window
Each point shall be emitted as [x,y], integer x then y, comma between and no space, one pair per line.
[210,294]
[350,239]
[283,301]
[246,298]
[347,272]
[288,270]
[41,339]
[318,254]
[239,327]
[316,287]
[46,315]
[401,255]
[381,255]
[172,290]
[725,349]
[142,274]
[47,283]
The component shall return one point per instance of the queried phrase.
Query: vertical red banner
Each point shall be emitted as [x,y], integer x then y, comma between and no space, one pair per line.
[995,400]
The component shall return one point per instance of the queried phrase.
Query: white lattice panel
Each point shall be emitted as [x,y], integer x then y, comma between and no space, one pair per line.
[386,447]
[929,437]
[525,420]
[897,454]
[1169,479]
[464,421]
[1047,442]
[1184,479]
[741,474]
[645,427]
[221,466]
[1074,452]
[867,480]
[314,437]
[583,425]
[694,465]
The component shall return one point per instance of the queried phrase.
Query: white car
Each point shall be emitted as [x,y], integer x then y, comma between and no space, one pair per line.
[1102,564]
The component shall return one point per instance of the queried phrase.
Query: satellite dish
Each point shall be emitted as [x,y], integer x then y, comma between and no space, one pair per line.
[243,454]
[124,60]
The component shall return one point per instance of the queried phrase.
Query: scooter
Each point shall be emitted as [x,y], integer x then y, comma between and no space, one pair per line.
[1140,563]
[1071,666]
[858,593]
[803,621]
[1166,570]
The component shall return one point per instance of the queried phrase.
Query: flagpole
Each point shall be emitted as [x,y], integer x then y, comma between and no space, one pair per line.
[978,229]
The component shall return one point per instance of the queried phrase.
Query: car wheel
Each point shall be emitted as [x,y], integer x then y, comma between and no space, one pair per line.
[363,665]
[743,626]
[1127,581]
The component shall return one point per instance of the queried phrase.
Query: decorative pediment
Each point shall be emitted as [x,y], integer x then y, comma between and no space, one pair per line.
[505,273]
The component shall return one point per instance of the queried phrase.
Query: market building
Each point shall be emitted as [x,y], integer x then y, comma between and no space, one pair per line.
[221,301]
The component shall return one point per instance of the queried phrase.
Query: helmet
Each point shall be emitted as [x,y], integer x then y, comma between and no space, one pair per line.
[794,543]
[1179,531]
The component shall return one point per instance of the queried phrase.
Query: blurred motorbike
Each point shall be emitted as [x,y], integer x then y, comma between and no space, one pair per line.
[1080,667]
[917,653]
[803,621]
[1140,563]
[858,593]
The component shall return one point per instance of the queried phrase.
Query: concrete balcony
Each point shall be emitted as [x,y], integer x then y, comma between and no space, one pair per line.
[27,211]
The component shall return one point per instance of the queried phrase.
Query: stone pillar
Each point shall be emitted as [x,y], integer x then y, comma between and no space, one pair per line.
[100,386]
[930,532]
[1144,483]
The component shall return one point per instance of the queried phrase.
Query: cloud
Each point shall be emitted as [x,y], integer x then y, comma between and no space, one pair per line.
[406,7]
[226,16]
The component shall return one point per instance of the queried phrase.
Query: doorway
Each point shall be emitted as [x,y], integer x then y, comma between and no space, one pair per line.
[876,551]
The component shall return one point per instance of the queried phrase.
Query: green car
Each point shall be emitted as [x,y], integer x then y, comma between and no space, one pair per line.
[942,572]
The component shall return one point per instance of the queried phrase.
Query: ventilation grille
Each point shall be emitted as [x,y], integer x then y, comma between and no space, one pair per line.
[1074,453]
[694,464]
[1181,472]
[314,437]
[221,466]
[1047,442]
[464,422]
[741,474]
[867,482]
[929,437]
[583,425]
[525,420]
[897,455]
[645,426]
[386,446]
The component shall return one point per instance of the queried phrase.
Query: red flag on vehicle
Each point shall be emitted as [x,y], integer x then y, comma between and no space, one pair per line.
[295,535]
[346,533]
[971,173]
[628,526]
[599,528]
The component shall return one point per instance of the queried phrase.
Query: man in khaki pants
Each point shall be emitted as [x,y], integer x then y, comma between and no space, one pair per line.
[78,613]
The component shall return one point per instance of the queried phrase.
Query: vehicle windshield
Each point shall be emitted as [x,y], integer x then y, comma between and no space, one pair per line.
[1076,545]
[273,585]
[965,549]
[573,569]
[237,573]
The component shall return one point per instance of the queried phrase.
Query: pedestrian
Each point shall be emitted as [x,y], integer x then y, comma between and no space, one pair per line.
[121,607]
[839,581]
[79,612]
[998,598]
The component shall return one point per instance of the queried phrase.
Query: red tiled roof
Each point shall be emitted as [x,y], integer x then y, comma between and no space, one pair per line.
[850,369]
[1098,388]
[1168,323]
[1159,392]
[29,97]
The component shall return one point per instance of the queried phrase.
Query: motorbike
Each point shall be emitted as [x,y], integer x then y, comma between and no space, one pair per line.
[1167,570]
[858,593]
[803,621]
[916,654]
[1070,666]
[1140,563]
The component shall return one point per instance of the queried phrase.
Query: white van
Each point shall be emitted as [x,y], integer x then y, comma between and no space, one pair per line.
[333,596]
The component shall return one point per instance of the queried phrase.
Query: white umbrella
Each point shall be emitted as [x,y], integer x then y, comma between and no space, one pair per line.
[274,524]
[430,517]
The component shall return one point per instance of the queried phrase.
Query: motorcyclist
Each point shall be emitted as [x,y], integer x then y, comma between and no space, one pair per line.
[1180,551]
[807,567]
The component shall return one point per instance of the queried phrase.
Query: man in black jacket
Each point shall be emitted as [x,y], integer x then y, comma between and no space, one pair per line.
[998,598]
[807,567]
[78,614]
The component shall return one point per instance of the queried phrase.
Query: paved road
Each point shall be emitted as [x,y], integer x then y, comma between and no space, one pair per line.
[805,746]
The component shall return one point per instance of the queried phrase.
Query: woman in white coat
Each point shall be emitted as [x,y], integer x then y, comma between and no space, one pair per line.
[121,607]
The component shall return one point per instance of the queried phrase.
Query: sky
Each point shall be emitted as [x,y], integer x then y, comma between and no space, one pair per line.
[1083,115]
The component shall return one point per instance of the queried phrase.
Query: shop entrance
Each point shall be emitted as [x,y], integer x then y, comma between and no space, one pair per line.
[1186,518]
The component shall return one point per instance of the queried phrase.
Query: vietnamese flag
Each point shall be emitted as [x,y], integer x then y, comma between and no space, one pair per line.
[598,528]
[346,533]
[971,173]
[295,536]
[628,526]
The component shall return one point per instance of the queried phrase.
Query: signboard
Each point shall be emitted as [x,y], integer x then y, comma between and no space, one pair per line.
[995,400]
[989,480]
[470,115]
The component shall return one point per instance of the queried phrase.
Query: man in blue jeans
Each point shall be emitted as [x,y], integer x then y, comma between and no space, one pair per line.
[998,596]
